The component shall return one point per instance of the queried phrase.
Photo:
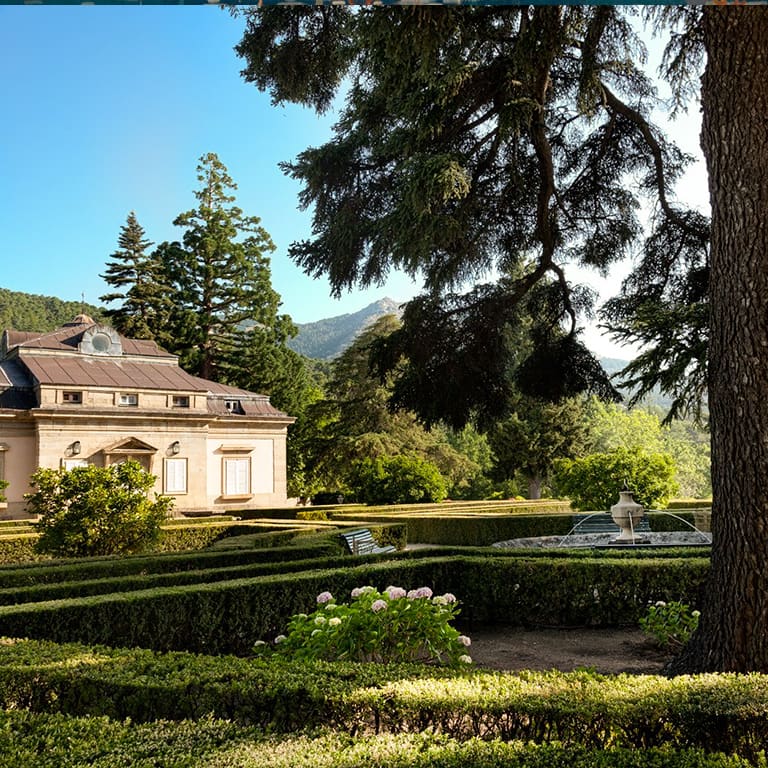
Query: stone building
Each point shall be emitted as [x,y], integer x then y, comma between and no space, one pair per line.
[84,394]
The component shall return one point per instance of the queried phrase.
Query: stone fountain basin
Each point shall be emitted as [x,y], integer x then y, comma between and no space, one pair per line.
[606,540]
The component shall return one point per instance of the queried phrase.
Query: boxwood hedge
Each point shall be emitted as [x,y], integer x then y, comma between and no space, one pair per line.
[226,617]
[724,712]
[52,741]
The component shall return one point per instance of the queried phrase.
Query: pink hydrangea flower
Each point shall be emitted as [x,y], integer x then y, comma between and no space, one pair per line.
[324,597]
[379,605]
[420,592]
[395,592]
[464,640]
[449,598]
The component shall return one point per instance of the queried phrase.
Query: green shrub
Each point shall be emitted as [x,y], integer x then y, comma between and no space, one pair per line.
[473,529]
[670,624]
[185,537]
[227,617]
[577,711]
[55,571]
[389,626]
[689,504]
[96,510]
[20,548]
[593,482]
[106,585]
[312,514]
[398,480]
[104,743]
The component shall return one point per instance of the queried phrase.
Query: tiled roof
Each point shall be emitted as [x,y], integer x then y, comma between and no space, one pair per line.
[13,374]
[66,339]
[130,371]
[87,371]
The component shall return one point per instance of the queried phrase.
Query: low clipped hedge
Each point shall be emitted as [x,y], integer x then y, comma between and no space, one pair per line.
[716,712]
[104,743]
[475,530]
[226,617]
[19,548]
[74,569]
[176,538]
[109,585]
[690,504]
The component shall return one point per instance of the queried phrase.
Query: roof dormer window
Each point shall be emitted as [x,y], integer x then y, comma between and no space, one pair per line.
[101,340]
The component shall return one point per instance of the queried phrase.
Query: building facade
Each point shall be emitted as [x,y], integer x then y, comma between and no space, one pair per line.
[84,394]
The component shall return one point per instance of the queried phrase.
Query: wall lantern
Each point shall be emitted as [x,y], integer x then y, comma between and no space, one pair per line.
[75,448]
[175,447]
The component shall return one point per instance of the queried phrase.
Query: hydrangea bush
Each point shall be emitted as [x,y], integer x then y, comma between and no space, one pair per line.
[671,624]
[390,626]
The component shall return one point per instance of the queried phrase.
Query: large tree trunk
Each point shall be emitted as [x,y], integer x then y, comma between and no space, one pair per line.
[734,626]
[534,487]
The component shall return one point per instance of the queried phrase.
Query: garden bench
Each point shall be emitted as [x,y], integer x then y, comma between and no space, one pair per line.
[361,542]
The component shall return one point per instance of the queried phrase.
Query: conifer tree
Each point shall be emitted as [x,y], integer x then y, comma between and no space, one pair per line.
[138,276]
[219,274]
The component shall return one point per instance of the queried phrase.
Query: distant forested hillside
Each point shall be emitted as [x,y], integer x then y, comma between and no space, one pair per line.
[29,312]
[328,338]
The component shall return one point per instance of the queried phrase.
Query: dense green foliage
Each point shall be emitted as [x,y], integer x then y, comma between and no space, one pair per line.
[30,312]
[399,479]
[354,423]
[103,743]
[138,276]
[577,710]
[477,164]
[534,437]
[228,616]
[593,482]
[96,510]
[612,426]
[52,571]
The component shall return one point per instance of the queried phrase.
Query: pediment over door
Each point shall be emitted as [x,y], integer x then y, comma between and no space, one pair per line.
[129,448]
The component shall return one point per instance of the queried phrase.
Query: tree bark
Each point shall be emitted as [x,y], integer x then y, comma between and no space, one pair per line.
[733,634]
[534,488]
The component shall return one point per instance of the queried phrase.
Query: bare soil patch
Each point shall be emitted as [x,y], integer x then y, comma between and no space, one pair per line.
[608,651]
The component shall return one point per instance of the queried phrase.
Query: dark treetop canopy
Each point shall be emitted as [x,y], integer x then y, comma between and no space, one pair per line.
[494,147]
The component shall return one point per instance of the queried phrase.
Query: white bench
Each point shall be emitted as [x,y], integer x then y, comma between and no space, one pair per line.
[361,542]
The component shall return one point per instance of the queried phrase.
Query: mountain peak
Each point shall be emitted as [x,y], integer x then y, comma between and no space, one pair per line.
[328,338]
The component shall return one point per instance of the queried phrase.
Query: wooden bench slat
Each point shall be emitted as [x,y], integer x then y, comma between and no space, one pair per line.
[361,542]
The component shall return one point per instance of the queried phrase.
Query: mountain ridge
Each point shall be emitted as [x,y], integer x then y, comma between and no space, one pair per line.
[328,337]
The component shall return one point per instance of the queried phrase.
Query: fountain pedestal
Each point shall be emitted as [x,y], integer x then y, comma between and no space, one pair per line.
[627,514]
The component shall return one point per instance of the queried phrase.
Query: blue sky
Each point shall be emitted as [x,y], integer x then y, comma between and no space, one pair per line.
[107,109]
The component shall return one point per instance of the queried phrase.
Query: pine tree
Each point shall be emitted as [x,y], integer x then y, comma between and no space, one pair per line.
[219,275]
[144,307]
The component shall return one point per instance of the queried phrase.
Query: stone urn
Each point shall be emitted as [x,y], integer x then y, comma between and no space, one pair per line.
[627,514]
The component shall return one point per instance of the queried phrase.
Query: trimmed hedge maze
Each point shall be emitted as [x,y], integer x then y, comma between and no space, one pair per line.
[145,661]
